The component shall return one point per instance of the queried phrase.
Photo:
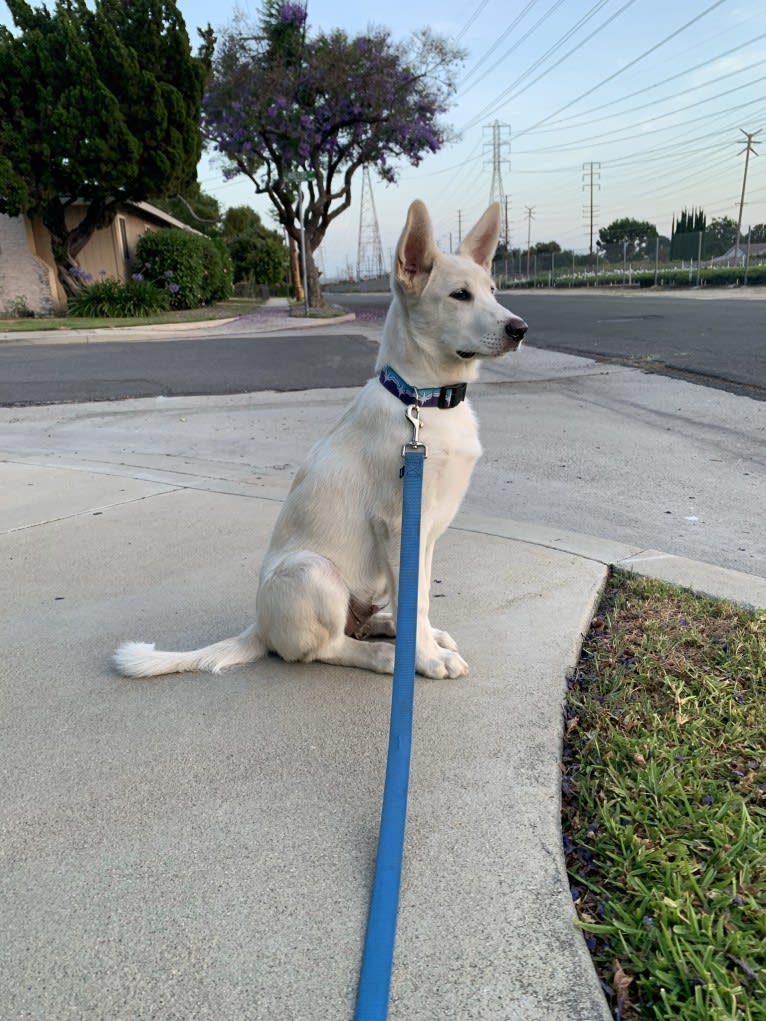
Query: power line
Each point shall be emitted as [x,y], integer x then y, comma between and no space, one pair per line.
[508,95]
[479,8]
[481,62]
[609,135]
[626,67]
[569,123]
[593,10]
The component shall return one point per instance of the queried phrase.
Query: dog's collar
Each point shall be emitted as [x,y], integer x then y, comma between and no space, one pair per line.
[423,396]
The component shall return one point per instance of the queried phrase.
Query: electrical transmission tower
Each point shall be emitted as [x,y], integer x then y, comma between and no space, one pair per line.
[369,252]
[501,144]
[749,148]
[591,172]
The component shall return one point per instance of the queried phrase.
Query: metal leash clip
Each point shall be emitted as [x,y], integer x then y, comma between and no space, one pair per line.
[413,417]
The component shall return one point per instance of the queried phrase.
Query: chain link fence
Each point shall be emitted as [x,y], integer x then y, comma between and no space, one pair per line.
[626,265]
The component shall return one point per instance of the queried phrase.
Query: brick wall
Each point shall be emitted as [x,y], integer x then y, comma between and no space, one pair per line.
[23,276]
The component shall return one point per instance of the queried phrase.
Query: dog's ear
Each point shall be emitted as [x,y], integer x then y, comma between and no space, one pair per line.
[416,250]
[480,242]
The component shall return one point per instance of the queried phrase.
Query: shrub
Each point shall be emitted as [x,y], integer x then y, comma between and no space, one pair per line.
[220,271]
[112,298]
[194,269]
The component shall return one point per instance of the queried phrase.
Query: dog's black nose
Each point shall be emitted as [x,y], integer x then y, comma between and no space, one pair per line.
[515,328]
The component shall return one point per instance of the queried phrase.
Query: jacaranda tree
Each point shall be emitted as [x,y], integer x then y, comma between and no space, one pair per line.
[283,100]
[99,104]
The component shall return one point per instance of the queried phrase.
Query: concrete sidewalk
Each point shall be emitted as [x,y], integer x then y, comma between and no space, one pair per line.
[202,847]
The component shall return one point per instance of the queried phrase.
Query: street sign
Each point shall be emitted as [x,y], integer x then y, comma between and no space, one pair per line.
[300,175]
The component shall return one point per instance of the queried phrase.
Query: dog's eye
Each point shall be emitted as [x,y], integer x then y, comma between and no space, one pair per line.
[461,294]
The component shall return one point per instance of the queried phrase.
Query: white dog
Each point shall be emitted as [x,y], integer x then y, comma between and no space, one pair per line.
[334,556]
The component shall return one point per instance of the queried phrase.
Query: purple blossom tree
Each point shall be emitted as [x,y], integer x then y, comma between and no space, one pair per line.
[282,100]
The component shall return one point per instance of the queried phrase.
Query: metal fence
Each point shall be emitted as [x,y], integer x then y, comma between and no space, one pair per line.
[625,266]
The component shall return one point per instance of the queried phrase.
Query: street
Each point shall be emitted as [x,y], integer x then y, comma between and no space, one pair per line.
[719,342]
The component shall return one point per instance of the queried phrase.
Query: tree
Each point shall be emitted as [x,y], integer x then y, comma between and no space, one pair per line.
[719,236]
[637,233]
[758,234]
[545,247]
[283,100]
[685,235]
[258,254]
[99,104]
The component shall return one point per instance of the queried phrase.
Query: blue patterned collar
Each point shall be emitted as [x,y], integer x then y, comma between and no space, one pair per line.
[423,396]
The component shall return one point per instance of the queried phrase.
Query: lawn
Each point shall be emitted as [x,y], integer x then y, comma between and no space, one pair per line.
[664,803]
[221,310]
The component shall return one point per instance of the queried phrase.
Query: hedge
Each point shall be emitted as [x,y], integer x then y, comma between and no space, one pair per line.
[195,270]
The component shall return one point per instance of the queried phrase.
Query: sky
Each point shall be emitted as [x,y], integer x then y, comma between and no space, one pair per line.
[655,95]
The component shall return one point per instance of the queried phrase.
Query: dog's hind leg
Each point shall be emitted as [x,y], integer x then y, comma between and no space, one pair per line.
[302,610]
[347,651]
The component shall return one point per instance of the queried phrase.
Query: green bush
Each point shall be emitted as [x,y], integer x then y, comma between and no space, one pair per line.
[220,271]
[194,269]
[114,299]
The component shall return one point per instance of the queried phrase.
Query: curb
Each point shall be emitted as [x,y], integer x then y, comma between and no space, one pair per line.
[703,579]
[166,331]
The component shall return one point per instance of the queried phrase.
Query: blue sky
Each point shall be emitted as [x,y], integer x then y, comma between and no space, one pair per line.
[567,100]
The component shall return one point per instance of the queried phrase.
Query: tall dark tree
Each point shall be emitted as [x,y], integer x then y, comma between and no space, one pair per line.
[283,101]
[685,241]
[99,104]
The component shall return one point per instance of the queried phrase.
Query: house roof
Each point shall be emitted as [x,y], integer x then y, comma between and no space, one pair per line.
[150,212]
[740,251]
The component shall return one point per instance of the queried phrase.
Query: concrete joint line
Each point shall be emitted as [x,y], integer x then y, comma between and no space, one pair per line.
[89,512]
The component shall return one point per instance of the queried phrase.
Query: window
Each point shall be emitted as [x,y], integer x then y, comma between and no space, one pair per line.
[124,239]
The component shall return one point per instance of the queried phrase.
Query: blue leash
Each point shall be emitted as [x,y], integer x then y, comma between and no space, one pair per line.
[378,958]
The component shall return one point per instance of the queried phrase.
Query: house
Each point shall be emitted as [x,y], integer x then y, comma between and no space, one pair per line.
[28,279]
[736,255]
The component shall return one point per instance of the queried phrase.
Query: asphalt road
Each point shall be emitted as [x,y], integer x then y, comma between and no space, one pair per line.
[719,342]
[63,373]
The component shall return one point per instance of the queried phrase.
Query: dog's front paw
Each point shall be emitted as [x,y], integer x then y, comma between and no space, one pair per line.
[439,662]
[444,639]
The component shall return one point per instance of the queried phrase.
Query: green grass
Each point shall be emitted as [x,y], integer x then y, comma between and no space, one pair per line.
[664,803]
[220,310]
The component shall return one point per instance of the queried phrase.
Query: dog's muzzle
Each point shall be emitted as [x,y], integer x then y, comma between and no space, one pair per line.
[515,328]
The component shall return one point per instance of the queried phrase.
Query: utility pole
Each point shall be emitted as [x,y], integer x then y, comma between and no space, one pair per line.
[530,217]
[749,148]
[591,172]
[459,227]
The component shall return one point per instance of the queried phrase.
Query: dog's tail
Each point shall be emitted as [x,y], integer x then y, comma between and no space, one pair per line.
[138,659]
